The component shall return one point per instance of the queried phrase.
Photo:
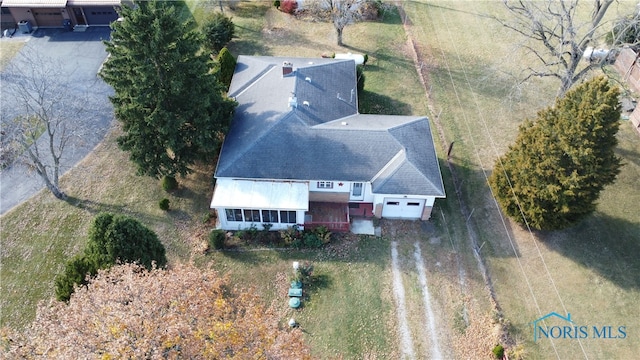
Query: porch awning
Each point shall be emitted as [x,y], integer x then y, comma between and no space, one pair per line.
[34,3]
[249,194]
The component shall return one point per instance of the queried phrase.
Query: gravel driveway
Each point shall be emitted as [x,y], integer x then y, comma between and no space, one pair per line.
[81,54]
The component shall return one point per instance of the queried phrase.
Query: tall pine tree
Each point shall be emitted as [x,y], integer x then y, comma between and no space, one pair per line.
[552,175]
[171,106]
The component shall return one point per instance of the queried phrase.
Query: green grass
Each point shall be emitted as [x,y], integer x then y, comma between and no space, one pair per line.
[350,298]
[474,67]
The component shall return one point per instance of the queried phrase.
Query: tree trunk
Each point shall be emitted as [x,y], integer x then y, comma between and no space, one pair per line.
[339,31]
[59,194]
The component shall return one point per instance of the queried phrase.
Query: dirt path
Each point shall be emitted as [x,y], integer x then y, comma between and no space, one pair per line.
[420,57]
[406,348]
[430,317]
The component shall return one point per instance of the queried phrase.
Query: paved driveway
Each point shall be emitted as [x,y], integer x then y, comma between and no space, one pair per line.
[82,54]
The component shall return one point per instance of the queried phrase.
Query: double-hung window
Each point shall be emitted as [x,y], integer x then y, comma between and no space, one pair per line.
[325,184]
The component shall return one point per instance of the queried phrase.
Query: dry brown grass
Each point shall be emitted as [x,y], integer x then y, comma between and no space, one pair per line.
[8,50]
[473,67]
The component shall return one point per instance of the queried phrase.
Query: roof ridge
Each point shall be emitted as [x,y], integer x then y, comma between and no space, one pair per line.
[252,81]
[398,126]
[398,159]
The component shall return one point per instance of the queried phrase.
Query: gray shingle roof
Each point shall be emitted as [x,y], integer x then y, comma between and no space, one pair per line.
[323,138]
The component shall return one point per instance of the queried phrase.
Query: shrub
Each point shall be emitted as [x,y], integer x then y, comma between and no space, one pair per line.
[306,271]
[75,273]
[207,217]
[164,204]
[288,6]
[113,237]
[498,351]
[216,239]
[323,234]
[169,183]
[366,58]
[252,231]
[311,240]
[276,4]
[292,236]
[225,67]
[218,30]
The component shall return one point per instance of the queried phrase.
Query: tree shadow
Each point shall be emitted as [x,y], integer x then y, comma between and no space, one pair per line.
[374,103]
[604,244]
[95,207]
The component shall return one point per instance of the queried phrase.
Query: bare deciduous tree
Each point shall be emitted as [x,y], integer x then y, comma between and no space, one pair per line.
[45,115]
[560,37]
[340,12]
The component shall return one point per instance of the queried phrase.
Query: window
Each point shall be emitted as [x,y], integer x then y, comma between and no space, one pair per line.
[270,216]
[325,184]
[356,190]
[413,204]
[233,214]
[288,217]
[252,216]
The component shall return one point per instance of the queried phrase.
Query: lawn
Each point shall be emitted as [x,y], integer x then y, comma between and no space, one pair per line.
[349,297]
[589,271]
[8,49]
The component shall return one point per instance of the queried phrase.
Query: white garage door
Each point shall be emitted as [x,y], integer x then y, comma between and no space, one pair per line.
[402,208]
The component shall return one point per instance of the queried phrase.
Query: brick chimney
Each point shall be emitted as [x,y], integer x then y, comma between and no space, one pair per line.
[287,68]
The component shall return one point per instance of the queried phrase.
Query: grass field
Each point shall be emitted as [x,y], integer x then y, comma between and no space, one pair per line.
[8,49]
[591,271]
[349,300]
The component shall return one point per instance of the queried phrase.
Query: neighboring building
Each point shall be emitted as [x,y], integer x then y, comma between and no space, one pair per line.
[298,151]
[58,13]
[628,66]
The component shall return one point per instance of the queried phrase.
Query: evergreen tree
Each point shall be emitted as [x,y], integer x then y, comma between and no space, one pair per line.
[558,165]
[226,67]
[119,237]
[112,238]
[166,97]
[218,31]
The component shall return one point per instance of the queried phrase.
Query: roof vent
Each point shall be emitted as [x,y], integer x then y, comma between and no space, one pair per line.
[287,68]
[305,103]
[307,79]
[344,123]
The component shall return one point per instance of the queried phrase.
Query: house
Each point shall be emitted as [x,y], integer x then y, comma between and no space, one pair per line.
[58,13]
[298,151]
